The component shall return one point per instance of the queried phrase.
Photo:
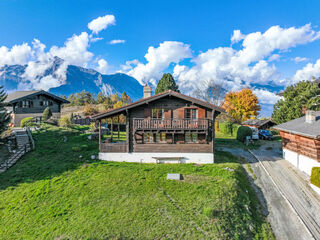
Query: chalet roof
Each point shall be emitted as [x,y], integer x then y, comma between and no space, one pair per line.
[257,122]
[19,95]
[299,126]
[154,98]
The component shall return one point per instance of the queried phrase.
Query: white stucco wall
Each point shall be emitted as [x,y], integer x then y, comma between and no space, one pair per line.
[147,157]
[301,162]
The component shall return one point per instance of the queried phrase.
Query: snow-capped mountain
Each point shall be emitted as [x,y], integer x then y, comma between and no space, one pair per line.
[75,79]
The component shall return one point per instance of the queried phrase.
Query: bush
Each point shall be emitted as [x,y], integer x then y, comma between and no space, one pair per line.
[216,126]
[243,132]
[235,128]
[65,122]
[76,149]
[26,122]
[315,176]
[89,110]
[93,127]
[46,114]
[229,128]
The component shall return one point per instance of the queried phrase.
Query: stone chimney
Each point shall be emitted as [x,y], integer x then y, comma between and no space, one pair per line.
[310,116]
[146,91]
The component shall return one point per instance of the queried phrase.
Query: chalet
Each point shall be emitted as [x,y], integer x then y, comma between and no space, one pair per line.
[24,104]
[165,127]
[301,141]
[259,124]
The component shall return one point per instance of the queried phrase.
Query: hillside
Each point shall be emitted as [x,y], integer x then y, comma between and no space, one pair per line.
[76,80]
[47,195]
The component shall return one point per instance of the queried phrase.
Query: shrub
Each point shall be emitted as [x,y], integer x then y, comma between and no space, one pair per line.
[89,110]
[46,114]
[235,128]
[84,147]
[275,132]
[65,122]
[26,122]
[243,132]
[216,126]
[93,127]
[226,128]
[315,176]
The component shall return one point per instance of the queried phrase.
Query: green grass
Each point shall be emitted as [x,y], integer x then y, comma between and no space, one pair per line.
[222,140]
[52,193]
[122,136]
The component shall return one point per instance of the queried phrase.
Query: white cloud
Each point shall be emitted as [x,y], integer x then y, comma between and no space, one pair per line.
[299,59]
[95,39]
[75,50]
[266,97]
[159,59]
[18,54]
[102,66]
[274,57]
[237,36]
[101,23]
[307,72]
[117,41]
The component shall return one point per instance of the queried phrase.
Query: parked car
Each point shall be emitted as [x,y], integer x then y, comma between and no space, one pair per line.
[265,135]
[255,133]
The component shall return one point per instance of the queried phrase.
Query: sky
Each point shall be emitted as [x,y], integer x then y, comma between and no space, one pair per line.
[264,45]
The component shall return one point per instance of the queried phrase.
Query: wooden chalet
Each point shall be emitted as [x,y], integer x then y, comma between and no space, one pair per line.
[24,104]
[259,124]
[301,141]
[165,127]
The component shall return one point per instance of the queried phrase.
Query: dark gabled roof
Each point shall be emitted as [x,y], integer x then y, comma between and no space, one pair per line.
[19,95]
[299,126]
[154,98]
[256,122]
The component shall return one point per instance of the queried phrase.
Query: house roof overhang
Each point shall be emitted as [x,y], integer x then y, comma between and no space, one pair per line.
[14,97]
[124,109]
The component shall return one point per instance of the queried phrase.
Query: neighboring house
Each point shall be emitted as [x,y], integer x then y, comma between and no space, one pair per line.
[301,141]
[24,104]
[260,124]
[161,128]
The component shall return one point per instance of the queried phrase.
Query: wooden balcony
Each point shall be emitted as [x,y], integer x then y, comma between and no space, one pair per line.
[171,124]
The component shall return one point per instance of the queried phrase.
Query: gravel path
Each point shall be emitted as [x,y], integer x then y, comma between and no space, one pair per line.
[292,207]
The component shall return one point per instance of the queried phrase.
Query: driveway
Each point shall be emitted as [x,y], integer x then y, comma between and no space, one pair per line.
[292,207]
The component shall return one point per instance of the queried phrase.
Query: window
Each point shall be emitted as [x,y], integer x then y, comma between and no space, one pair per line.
[148,138]
[26,104]
[194,137]
[160,137]
[191,137]
[157,113]
[187,113]
[41,103]
[190,113]
[188,137]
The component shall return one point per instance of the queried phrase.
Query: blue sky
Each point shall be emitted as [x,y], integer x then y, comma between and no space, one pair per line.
[187,28]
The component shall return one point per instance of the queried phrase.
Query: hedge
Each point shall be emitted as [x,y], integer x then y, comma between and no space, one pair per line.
[26,122]
[46,114]
[315,176]
[243,132]
[229,128]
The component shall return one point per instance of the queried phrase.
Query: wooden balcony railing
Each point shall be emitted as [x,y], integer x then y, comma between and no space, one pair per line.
[171,123]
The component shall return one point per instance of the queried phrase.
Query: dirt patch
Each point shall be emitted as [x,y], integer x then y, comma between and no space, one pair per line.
[197,178]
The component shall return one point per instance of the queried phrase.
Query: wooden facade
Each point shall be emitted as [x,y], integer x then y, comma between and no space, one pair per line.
[309,147]
[32,104]
[168,122]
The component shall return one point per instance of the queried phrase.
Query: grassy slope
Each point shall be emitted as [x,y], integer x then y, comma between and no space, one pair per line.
[52,193]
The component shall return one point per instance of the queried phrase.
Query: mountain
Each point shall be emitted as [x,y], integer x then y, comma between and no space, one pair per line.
[75,79]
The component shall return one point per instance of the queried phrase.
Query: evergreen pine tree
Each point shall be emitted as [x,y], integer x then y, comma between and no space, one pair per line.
[46,114]
[166,83]
[4,115]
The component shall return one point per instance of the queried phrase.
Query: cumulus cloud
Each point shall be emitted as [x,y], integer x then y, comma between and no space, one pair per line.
[102,66]
[266,97]
[159,59]
[237,36]
[101,23]
[274,57]
[18,54]
[117,41]
[308,72]
[299,59]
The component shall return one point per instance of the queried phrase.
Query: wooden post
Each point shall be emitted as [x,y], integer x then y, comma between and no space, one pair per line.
[111,129]
[118,127]
[213,129]
[128,141]
[100,135]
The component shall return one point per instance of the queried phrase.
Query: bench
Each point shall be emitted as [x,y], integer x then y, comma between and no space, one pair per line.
[158,159]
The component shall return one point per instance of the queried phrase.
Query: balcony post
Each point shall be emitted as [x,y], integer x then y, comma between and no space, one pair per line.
[111,129]
[118,128]
[99,135]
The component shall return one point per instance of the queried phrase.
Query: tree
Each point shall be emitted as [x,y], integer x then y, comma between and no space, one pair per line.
[101,97]
[210,91]
[125,99]
[108,103]
[89,110]
[4,115]
[46,114]
[114,98]
[296,98]
[166,83]
[242,105]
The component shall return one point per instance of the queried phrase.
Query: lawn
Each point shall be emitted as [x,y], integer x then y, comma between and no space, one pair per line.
[222,140]
[57,193]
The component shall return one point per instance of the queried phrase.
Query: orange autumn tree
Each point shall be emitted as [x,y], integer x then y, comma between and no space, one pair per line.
[242,105]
